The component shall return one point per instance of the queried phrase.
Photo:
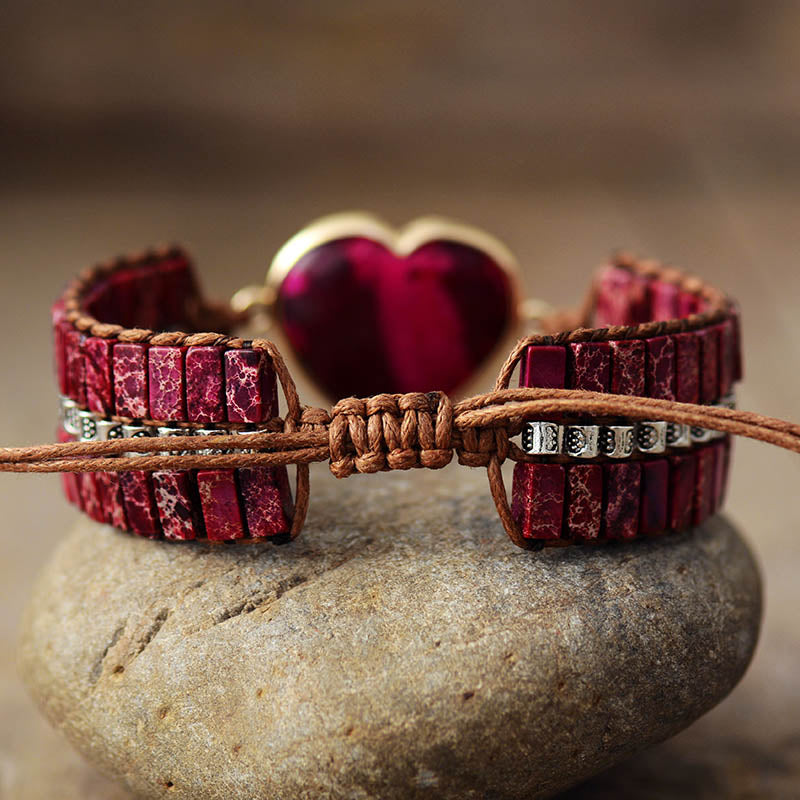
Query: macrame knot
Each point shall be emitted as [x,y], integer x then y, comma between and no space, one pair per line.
[390,431]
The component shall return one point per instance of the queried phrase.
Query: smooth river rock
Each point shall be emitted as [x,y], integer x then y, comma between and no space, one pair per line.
[401,648]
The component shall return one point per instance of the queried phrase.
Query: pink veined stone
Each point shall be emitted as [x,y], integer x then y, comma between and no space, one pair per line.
[176,505]
[622,487]
[682,480]
[267,500]
[664,300]
[250,387]
[738,371]
[91,496]
[654,511]
[130,380]
[688,304]
[687,367]
[178,290]
[99,388]
[590,366]
[660,368]
[113,502]
[69,480]
[584,500]
[721,467]
[627,367]
[726,357]
[219,501]
[709,364]
[60,328]
[544,367]
[166,381]
[622,298]
[205,385]
[140,506]
[122,299]
[704,489]
[147,289]
[76,367]
[363,320]
[537,499]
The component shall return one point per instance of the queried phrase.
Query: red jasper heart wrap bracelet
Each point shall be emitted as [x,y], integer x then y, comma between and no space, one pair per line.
[624,407]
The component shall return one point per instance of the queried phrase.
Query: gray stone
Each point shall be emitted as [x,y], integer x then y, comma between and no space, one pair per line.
[401,648]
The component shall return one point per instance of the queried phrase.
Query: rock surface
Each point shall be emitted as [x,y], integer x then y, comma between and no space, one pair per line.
[401,648]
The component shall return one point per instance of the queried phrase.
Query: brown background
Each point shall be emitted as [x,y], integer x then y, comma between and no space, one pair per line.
[566,128]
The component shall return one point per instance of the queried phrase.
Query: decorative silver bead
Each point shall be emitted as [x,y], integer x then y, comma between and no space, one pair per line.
[136,432]
[542,438]
[729,401]
[651,436]
[616,441]
[69,416]
[247,433]
[209,432]
[700,435]
[581,441]
[88,426]
[176,432]
[678,435]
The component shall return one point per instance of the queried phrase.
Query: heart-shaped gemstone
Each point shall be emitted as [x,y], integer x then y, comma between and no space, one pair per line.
[410,312]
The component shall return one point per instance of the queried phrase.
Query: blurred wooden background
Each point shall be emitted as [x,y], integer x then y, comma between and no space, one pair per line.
[566,128]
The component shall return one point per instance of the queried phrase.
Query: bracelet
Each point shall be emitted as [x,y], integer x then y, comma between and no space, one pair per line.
[623,412]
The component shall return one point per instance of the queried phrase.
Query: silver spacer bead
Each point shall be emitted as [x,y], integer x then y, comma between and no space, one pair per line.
[651,436]
[209,432]
[176,432]
[616,441]
[581,441]
[701,435]
[542,438]
[136,432]
[678,435]
[69,417]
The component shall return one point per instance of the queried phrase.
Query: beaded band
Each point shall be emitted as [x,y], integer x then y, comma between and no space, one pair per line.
[579,477]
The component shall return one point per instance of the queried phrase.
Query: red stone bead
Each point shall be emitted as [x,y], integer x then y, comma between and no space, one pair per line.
[113,502]
[130,380]
[250,387]
[584,501]
[721,467]
[363,320]
[664,300]
[738,371]
[704,488]
[166,383]
[69,480]
[544,367]
[60,328]
[205,385]
[709,364]
[682,480]
[123,298]
[98,302]
[267,501]
[622,489]
[687,367]
[726,357]
[537,499]
[140,505]
[179,290]
[99,385]
[660,368]
[147,289]
[219,501]
[622,298]
[688,304]
[590,366]
[91,496]
[628,367]
[177,507]
[76,367]
[654,512]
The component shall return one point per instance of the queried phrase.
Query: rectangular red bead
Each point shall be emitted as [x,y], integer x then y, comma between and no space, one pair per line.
[99,386]
[147,289]
[205,385]
[627,367]
[250,388]
[687,367]
[178,291]
[91,496]
[709,364]
[721,467]
[726,357]
[219,501]
[590,366]
[660,368]
[76,366]
[544,367]
[123,296]
[69,480]
[60,328]
[140,505]
[622,489]
[537,499]
[267,500]
[664,300]
[130,380]
[113,503]
[738,370]
[166,383]
[682,479]
[177,507]
[688,304]
[584,501]
[704,487]
[622,298]
[654,511]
